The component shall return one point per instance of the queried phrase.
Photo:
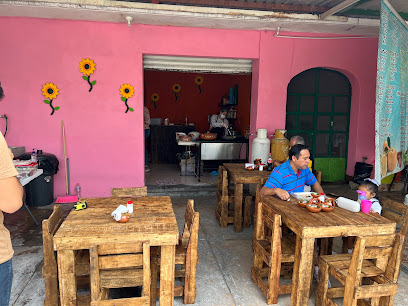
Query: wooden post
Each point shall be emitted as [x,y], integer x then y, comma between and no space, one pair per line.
[67,279]
[167,275]
[238,207]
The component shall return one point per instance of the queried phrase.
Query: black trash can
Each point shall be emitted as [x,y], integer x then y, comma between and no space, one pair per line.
[362,171]
[40,191]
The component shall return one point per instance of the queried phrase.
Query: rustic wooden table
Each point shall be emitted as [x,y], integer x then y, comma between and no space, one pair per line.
[238,175]
[308,226]
[152,220]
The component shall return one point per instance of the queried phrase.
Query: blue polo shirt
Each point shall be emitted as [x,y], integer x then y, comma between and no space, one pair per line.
[285,178]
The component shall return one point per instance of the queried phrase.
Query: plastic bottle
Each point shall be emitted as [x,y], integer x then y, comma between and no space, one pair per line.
[78,191]
[269,162]
[322,198]
[130,207]
[34,156]
[361,196]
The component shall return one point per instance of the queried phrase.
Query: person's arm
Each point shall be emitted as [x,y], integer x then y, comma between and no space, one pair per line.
[282,194]
[11,194]
[317,187]
[11,191]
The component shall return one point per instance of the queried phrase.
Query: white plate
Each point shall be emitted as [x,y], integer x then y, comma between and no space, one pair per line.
[302,195]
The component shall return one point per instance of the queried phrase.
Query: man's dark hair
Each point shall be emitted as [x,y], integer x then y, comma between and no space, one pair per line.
[1,92]
[224,109]
[296,149]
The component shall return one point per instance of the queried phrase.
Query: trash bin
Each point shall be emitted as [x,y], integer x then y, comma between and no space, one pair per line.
[362,171]
[40,191]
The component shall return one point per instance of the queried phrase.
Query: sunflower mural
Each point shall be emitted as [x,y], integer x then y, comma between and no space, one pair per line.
[87,67]
[126,91]
[176,89]
[50,91]
[199,80]
[155,98]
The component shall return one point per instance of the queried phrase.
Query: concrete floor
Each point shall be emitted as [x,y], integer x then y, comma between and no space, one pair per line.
[223,275]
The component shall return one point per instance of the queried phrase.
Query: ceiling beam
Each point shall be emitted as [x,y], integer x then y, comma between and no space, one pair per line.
[247,5]
[338,8]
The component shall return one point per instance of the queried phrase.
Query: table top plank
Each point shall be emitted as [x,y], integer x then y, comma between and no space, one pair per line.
[239,175]
[152,220]
[339,222]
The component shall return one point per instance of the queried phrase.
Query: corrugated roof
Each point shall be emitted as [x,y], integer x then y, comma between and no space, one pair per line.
[362,8]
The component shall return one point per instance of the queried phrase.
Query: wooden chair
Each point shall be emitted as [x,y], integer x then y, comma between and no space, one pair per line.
[375,263]
[394,211]
[270,251]
[118,266]
[225,197]
[50,267]
[129,192]
[186,256]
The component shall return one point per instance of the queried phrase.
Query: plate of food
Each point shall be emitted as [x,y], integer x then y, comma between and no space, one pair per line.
[302,195]
[249,166]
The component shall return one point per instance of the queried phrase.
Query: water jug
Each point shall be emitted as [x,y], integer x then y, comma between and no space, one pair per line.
[280,146]
[261,145]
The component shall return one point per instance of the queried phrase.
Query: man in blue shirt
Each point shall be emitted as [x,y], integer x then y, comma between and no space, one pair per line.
[292,175]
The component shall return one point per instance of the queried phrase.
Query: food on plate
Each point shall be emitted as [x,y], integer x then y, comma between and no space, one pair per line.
[250,168]
[313,207]
[327,207]
[303,203]
[315,194]
[124,218]
[315,201]
[329,201]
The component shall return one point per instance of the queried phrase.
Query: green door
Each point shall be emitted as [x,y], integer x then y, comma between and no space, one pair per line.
[318,109]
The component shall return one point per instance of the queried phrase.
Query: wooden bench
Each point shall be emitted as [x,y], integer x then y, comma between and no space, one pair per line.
[118,266]
[50,267]
[370,272]
[224,211]
[186,256]
[270,251]
[129,192]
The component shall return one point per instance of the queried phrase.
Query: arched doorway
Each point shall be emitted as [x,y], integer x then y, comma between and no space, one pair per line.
[318,109]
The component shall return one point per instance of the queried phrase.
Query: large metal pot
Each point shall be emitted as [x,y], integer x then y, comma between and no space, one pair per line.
[208,136]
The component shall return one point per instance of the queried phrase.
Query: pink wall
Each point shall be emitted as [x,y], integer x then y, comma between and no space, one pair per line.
[105,145]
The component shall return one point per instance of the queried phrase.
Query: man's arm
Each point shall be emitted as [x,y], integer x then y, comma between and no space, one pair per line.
[11,194]
[317,187]
[282,194]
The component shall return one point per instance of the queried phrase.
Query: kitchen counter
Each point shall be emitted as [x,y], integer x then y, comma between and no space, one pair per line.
[222,150]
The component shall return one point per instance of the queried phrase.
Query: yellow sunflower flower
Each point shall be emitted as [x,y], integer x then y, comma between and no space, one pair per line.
[127,91]
[155,97]
[50,91]
[199,80]
[87,66]
[176,87]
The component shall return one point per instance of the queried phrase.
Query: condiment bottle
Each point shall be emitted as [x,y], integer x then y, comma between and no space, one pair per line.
[130,207]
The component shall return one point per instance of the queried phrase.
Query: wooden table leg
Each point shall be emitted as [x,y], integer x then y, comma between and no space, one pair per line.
[302,268]
[238,207]
[167,275]
[67,279]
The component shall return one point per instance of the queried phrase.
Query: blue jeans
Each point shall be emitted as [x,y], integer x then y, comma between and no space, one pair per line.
[147,134]
[6,278]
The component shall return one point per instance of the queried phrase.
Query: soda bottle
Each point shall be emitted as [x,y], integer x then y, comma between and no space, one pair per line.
[269,162]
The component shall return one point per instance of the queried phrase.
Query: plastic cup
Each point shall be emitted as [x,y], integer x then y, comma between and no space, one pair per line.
[366,206]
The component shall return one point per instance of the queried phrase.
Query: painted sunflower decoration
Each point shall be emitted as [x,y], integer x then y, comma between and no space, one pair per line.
[50,91]
[126,91]
[176,89]
[87,67]
[155,98]
[199,80]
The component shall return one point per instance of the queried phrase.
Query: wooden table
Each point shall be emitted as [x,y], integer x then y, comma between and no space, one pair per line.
[152,220]
[238,175]
[308,226]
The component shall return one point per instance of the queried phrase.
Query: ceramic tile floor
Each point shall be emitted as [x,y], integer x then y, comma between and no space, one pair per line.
[223,276]
[170,174]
